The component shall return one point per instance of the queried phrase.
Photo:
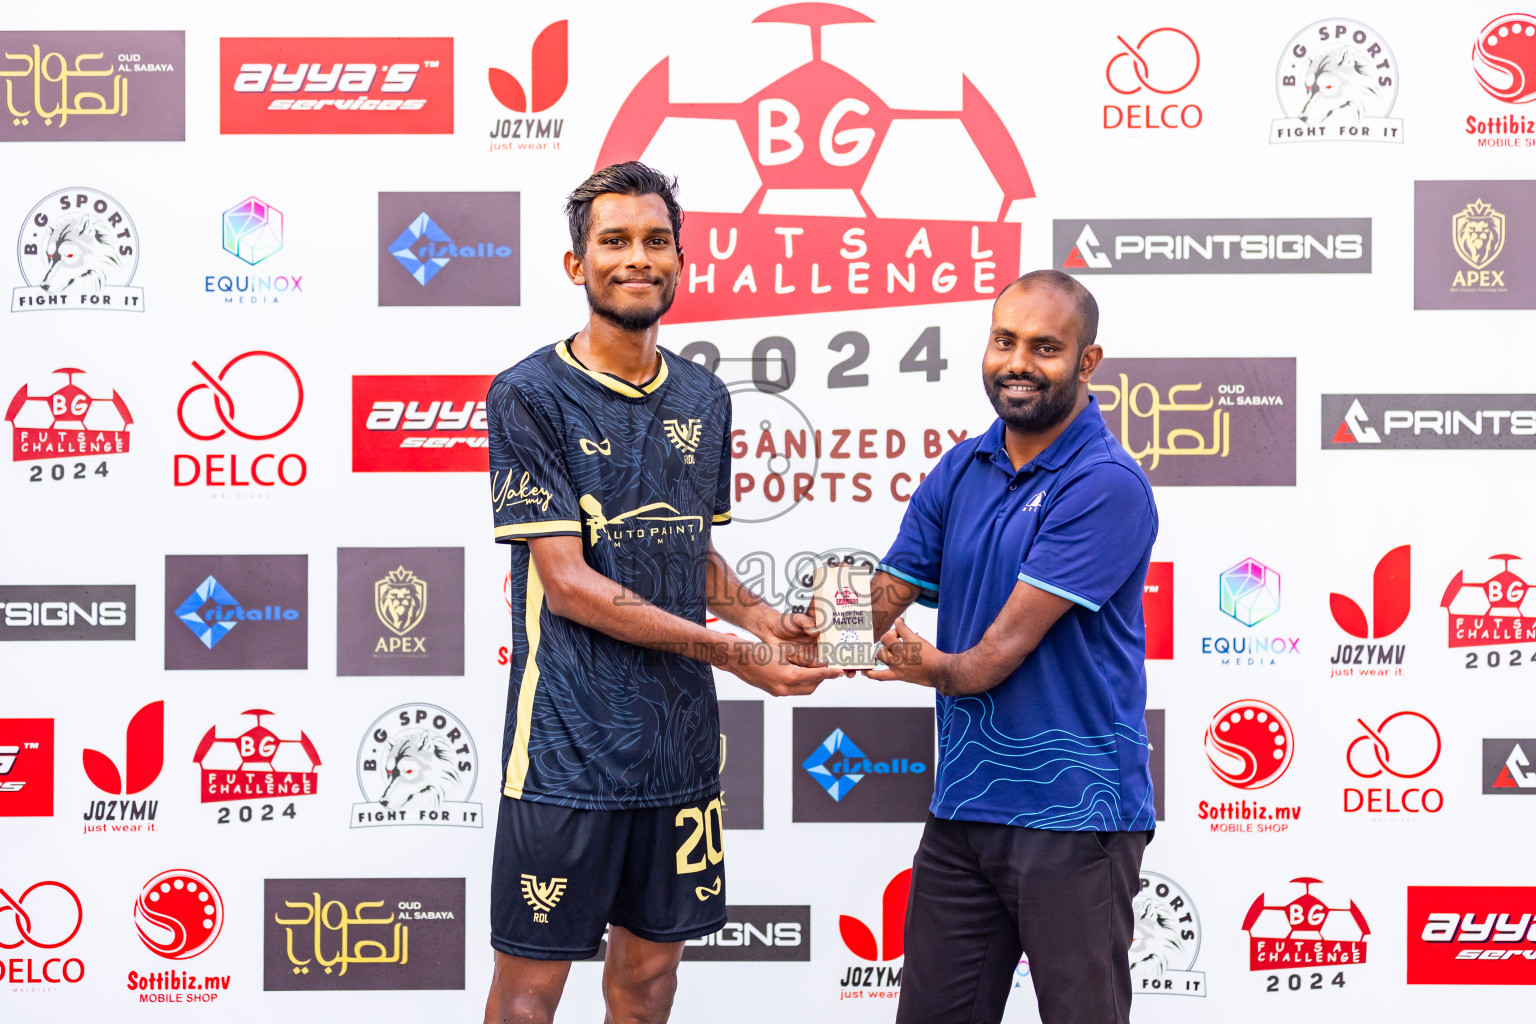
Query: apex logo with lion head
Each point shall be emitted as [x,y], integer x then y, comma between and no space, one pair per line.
[1477,232]
[417,766]
[78,250]
[400,600]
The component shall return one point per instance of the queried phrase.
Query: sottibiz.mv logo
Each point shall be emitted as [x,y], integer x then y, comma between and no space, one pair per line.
[1304,932]
[1391,593]
[812,207]
[179,915]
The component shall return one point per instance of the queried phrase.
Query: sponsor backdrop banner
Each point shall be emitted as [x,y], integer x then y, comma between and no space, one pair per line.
[1310,234]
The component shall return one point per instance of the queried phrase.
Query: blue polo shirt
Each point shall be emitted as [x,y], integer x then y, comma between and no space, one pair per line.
[1062,742]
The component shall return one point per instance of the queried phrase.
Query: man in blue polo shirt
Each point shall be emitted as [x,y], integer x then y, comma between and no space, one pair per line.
[1033,540]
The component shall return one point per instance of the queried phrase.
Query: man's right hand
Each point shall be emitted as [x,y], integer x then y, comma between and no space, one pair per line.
[768,667]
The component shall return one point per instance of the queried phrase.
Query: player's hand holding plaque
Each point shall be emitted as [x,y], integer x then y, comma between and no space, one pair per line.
[843,613]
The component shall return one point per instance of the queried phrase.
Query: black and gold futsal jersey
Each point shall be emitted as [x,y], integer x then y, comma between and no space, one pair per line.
[640,474]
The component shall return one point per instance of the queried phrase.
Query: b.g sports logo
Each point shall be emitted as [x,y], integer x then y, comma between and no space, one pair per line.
[812,209]
[313,86]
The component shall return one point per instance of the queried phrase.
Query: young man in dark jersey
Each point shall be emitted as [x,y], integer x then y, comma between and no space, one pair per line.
[610,463]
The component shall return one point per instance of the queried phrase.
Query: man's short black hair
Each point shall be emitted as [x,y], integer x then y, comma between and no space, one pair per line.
[1087,305]
[627,179]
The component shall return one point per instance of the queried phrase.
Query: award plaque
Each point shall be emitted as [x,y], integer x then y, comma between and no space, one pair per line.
[842,609]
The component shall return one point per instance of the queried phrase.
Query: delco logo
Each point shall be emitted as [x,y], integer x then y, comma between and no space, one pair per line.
[1471,935]
[336,86]
[416,424]
[811,207]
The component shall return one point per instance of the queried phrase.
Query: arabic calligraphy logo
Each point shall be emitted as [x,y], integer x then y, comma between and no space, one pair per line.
[1504,58]
[1405,750]
[596,521]
[684,435]
[21,924]
[400,600]
[253,230]
[1133,401]
[224,402]
[1249,744]
[319,916]
[542,896]
[1171,50]
[1250,592]
[179,914]
[1477,232]
[41,70]
[78,249]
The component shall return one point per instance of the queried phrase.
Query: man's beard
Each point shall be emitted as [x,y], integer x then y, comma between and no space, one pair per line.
[634,321]
[1052,404]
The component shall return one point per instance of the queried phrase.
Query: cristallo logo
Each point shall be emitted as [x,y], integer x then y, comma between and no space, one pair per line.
[628,525]
[811,207]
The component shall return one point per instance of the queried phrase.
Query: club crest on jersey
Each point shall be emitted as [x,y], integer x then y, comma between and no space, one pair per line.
[542,896]
[658,524]
[684,435]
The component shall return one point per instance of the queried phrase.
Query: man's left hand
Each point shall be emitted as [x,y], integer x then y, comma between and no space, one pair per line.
[910,658]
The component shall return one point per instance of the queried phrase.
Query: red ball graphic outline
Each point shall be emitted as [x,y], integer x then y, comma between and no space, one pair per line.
[186,904]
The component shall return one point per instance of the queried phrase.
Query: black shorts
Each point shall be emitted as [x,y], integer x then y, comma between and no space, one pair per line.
[560,875]
[983,894]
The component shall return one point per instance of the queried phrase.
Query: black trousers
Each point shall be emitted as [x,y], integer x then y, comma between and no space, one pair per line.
[982,894]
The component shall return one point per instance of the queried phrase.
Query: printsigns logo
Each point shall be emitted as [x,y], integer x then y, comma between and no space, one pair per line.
[26,767]
[1507,768]
[1504,58]
[386,624]
[398,86]
[1163,62]
[1304,932]
[417,766]
[421,424]
[94,86]
[1473,241]
[1297,245]
[886,776]
[354,934]
[1471,935]
[1337,79]
[1249,744]
[1166,940]
[449,249]
[53,612]
[266,595]
[78,249]
[67,423]
[179,914]
[811,177]
[547,78]
[1204,421]
[1428,422]
[255,764]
